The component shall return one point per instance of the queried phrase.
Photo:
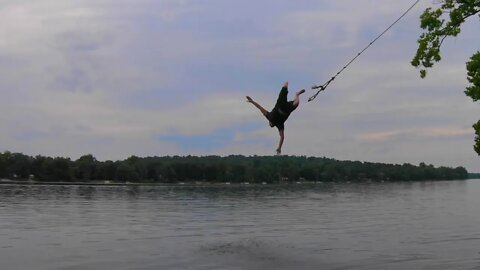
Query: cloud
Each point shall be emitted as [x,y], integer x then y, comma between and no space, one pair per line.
[211,141]
[116,78]
[379,136]
[424,133]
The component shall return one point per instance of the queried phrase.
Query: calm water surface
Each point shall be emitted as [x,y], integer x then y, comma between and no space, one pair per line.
[434,225]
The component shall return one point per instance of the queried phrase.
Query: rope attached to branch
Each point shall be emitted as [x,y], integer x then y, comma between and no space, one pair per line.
[324,86]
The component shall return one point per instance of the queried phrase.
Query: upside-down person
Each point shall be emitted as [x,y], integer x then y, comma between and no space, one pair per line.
[280,113]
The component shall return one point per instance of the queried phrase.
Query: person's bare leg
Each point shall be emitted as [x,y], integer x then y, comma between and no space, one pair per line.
[250,100]
[280,143]
[296,101]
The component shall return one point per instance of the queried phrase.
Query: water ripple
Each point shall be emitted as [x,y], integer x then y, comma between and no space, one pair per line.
[320,226]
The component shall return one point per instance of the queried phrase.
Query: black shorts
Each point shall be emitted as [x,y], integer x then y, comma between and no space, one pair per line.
[283,108]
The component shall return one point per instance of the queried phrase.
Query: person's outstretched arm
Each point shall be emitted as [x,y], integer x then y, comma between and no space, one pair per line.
[280,143]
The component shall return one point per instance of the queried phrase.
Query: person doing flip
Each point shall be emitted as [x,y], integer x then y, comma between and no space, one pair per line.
[280,113]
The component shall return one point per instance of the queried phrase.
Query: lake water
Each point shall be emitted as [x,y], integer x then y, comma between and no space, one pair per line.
[431,225]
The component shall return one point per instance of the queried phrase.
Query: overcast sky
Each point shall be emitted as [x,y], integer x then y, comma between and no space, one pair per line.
[117,78]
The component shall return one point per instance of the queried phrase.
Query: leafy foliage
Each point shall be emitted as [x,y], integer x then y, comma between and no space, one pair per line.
[473,76]
[477,138]
[439,24]
[235,169]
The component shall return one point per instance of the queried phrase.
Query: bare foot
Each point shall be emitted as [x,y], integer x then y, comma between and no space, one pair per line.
[279,151]
[249,99]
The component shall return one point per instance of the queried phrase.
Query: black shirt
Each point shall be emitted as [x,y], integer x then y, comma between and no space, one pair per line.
[282,110]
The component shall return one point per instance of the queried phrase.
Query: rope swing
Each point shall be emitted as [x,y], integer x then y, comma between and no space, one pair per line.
[324,86]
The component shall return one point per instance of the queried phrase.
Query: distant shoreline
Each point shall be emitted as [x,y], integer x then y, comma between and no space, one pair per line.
[186,184]
[87,170]
[192,183]
[198,183]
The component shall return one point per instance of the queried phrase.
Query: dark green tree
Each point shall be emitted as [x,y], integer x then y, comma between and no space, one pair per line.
[54,169]
[85,167]
[440,23]
[473,91]
[126,172]
[21,165]
[106,170]
[5,163]
[15,165]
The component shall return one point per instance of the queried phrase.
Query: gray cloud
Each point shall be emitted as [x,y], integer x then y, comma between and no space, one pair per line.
[112,77]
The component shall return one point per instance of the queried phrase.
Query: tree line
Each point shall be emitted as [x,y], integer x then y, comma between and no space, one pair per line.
[474,175]
[234,169]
